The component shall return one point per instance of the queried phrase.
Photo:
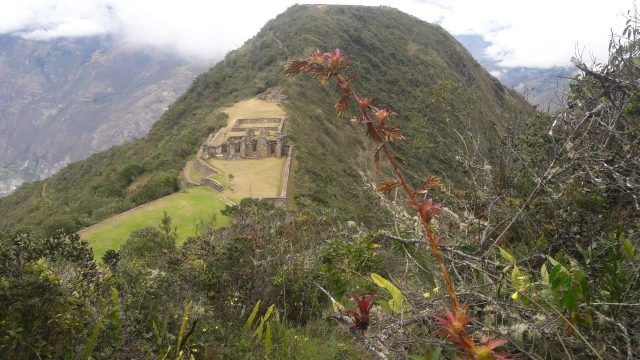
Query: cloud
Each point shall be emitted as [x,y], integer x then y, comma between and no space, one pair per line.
[50,19]
[198,29]
[540,33]
[537,34]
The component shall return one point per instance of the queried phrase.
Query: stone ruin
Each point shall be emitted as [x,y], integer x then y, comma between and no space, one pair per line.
[250,139]
[274,94]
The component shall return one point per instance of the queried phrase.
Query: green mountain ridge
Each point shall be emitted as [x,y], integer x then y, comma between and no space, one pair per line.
[413,67]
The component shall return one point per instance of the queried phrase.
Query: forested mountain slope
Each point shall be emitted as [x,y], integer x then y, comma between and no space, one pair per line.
[413,67]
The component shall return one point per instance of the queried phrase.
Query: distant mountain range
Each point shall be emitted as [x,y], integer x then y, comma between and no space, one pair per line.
[543,87]
[65,99]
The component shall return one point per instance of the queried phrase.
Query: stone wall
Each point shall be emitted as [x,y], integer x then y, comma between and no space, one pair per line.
[285,174]
[215,185]
[189,183]
[267,141]
[258,121]
[205,169]
[273,94]
[266,128]
[280,122]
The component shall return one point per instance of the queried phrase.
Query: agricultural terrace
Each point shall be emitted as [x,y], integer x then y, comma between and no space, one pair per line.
[251,108]
[254,178]
[188,210]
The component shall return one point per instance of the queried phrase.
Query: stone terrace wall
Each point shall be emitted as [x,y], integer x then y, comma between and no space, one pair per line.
[281,125]
[280,122]
[209,182]
[285,174]
[205,169]
[273,94]
[258,121]
[256,129]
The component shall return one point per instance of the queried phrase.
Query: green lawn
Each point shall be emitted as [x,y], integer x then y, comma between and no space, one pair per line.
[186,209]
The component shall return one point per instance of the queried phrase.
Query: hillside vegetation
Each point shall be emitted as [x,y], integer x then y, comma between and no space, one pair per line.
[489,232]
[415,67]
[197,208]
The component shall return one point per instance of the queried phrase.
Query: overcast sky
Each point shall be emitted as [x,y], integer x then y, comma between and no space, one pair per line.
[540,33]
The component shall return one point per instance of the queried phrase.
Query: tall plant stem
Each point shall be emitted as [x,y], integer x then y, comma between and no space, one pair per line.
[411,193]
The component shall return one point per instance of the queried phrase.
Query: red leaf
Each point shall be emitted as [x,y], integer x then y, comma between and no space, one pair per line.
[373,133]
[388,185]
[342,105]
[361,316]
[364,103]
[393,134]
[428,184]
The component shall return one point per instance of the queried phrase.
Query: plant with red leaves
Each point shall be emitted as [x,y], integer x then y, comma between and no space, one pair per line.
[332,65]
[360,317]
[454,325]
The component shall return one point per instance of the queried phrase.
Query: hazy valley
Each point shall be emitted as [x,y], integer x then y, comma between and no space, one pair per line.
[65,99]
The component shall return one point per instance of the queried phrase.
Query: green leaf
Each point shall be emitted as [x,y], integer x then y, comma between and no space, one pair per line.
[384,305]
[183,324]
[544,274]
[114,314]
[263,320]
[398,301]
[628,249]
[93,340]
[165,354]
[269,311]
[553,261]
[258,332]
[249,323]
[569,300]
[518,278]
[505,254]
[267,339]
[156,332]
[436,354]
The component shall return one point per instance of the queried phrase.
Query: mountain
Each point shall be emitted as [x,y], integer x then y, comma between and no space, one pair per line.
[408,65]
[543,87]
[65,99]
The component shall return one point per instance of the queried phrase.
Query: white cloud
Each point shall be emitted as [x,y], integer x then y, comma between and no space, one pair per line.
[540,33]
[49,19]
[521,33]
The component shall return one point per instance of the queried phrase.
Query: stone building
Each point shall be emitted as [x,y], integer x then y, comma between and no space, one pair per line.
[250,139]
